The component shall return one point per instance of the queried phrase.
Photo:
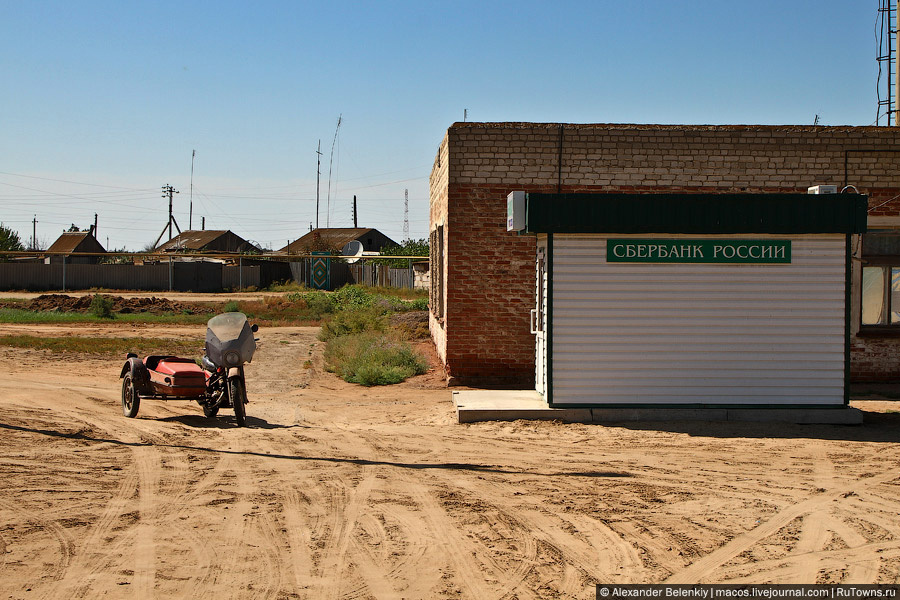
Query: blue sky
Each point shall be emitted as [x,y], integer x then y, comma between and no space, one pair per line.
[102,103]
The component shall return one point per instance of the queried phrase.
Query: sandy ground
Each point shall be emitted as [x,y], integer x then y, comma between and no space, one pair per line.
[337,491]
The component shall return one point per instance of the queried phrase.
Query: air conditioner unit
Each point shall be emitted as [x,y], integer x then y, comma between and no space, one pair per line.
[822,189]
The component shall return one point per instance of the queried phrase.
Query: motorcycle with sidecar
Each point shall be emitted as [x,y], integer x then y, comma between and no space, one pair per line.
[217,382]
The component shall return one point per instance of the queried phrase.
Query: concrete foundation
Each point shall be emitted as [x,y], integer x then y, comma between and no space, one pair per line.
[510,405]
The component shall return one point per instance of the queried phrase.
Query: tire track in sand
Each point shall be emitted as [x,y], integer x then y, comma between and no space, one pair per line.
[115,547]
[343,522]
[456,559]
[699,569]
[64,541]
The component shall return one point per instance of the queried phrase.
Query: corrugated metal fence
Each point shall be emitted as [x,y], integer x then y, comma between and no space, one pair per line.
[176,276]
[191,276]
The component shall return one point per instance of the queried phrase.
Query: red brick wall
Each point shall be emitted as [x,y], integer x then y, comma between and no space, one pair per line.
[874,359]
[484,336]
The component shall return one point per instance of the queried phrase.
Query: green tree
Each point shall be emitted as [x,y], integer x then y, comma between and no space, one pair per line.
[407,248]
[9,240]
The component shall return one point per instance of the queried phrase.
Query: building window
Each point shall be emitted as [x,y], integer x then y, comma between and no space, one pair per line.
[436,265]
[881,280]
[881,295]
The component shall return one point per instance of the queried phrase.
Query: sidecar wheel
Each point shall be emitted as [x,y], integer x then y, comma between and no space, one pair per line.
[210,411]
[131,401]
[236,393]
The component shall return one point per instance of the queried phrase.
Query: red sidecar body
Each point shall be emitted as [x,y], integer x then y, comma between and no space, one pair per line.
[174,376]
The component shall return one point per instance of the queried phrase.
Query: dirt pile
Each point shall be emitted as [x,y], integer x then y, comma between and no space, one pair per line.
[64,303]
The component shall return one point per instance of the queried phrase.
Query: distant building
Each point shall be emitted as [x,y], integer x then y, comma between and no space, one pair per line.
[72,243]
[334,239]
[207,240]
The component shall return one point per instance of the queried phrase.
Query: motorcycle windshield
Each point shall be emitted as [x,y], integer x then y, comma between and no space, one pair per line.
[227,326]
[229,340]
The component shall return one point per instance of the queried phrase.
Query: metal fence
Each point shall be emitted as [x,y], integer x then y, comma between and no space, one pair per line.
[174,276]
[197,275]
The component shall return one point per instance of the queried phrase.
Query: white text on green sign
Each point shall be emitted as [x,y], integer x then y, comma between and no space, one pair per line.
[699,251]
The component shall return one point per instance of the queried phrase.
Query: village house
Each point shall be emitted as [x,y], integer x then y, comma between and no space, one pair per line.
[75,242]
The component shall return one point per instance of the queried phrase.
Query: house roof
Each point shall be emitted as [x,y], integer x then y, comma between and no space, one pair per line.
[76,241]
[194,239]
[322,238]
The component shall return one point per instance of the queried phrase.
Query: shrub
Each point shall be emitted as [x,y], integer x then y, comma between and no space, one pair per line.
[417,304]
[287,286]
[350,322]
[354,296]
[319,304]
[101,307]
[232,306]
[372,358]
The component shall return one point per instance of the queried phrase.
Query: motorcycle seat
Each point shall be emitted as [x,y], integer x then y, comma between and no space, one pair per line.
[172,365]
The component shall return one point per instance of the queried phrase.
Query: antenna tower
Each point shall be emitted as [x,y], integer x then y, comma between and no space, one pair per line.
[191,209]
[885,30]
[406,215]
[330,162]
[318,173]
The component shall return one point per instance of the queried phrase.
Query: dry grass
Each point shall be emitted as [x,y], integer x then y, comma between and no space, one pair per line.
[103,346]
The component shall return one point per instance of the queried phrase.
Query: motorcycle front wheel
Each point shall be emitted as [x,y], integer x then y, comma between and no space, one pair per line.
[236,394]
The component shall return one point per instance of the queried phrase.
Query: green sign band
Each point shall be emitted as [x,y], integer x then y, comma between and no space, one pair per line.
[698,251]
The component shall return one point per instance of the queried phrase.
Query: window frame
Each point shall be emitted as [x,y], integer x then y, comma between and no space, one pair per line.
[886,328]
[880,248]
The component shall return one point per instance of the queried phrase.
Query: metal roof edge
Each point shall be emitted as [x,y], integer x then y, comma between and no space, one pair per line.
[729,213]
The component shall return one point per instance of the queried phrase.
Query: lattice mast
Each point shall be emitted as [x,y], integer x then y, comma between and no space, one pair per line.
[406,215]
[887,24]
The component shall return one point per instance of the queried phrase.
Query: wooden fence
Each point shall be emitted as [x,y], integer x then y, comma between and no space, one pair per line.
[366,274]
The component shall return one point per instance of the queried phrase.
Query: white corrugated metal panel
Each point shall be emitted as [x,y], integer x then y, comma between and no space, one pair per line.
[541,275]
[637,333]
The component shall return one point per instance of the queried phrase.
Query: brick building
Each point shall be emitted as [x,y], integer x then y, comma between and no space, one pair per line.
[483,277]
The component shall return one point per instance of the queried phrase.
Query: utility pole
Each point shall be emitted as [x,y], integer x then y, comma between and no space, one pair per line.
[354,212]
[34,233]
[95,226]
[168,192]
[318,175]
[406,215]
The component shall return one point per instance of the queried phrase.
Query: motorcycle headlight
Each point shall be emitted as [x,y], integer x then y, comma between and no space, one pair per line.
[232,358]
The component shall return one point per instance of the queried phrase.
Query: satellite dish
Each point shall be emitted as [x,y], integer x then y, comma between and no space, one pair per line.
[352,251]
